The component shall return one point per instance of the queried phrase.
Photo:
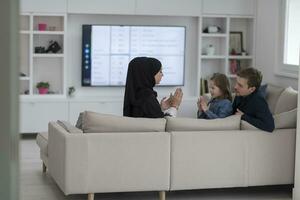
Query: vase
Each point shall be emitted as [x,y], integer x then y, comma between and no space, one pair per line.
[43,90]
[210,50]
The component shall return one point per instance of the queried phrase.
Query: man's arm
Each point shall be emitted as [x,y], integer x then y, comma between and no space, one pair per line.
[262,118]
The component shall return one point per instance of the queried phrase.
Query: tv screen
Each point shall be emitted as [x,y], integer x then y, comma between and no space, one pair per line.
[107,50]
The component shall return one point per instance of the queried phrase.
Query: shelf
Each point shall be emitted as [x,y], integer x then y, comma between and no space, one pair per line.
[38,67]
[48,55]
[24,78]
[240,57]
[24,32]
[213,57]
[214,35]
[231,75]
[48,32]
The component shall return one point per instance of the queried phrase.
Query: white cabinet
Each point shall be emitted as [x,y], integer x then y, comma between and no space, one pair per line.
[35,116]
[53,6]
[230,7]
[169,7]
[105,107]
[101,6]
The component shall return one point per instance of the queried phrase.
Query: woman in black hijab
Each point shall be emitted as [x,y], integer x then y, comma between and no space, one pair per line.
[140,100]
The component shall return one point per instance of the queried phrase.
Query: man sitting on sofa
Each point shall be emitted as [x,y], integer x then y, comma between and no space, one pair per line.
[249,103]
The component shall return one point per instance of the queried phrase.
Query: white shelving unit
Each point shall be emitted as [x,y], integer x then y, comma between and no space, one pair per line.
[222,61]
[46,67]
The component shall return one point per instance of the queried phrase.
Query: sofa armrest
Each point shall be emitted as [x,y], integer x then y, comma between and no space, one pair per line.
[123,162]
[67,159]
[109,162]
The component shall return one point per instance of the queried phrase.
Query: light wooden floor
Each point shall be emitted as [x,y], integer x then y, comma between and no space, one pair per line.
[34,185]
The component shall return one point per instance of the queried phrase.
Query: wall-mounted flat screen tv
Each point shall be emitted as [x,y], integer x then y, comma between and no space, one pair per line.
[107,50]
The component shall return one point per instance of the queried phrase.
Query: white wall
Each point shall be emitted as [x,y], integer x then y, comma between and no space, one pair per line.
[268,42]
[74,50]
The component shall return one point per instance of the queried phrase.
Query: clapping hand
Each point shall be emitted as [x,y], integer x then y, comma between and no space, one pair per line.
[176,98]
[202,104]
[165,103]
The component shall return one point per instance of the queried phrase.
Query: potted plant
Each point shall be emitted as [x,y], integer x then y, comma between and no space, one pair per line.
[43,87]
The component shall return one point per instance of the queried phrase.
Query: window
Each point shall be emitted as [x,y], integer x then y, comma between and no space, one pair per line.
[292,33]
[289,39]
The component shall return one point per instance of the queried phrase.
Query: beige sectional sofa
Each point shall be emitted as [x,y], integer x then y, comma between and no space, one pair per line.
[120,154]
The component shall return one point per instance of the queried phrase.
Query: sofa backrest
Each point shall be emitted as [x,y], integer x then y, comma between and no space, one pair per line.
[190,124]
[98,123]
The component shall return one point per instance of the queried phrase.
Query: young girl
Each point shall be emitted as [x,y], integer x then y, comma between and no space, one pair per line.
[220,104]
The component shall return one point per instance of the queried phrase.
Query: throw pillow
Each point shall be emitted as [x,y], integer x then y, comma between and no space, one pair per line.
[79,121]
[189,124]
[99,123]
[286,119]
[287,101]
[263,90]
[68,127]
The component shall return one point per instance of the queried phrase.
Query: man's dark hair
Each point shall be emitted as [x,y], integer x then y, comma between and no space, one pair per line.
[253,76]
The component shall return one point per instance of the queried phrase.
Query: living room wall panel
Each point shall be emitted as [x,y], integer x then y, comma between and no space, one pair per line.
[53,6]
[230,7]
[101,6]
[169,7]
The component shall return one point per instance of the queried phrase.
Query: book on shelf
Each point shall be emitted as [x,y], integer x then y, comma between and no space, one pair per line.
[203,86]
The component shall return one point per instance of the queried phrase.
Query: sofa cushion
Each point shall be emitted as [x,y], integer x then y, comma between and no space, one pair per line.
[273,93]
[287,100]
[189,124]
[286,119]
[68,127]
[98,123]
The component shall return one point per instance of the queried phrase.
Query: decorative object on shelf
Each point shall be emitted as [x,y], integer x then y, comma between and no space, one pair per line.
[54,47]
[235,66]
[236,42]
[233,52]
[212,29]
[43,87]
[71,91]
[39,49]
[42,26]
[244,53]
[51,28]
[203,86]
[22,74]
[210,50]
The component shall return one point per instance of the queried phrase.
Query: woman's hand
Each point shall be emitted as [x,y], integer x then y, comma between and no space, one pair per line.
[165,103]
[176,98]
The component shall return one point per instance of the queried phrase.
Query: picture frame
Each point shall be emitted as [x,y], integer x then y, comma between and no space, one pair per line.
[236,43]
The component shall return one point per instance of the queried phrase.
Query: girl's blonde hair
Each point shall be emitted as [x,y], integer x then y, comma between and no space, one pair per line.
[222,82]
